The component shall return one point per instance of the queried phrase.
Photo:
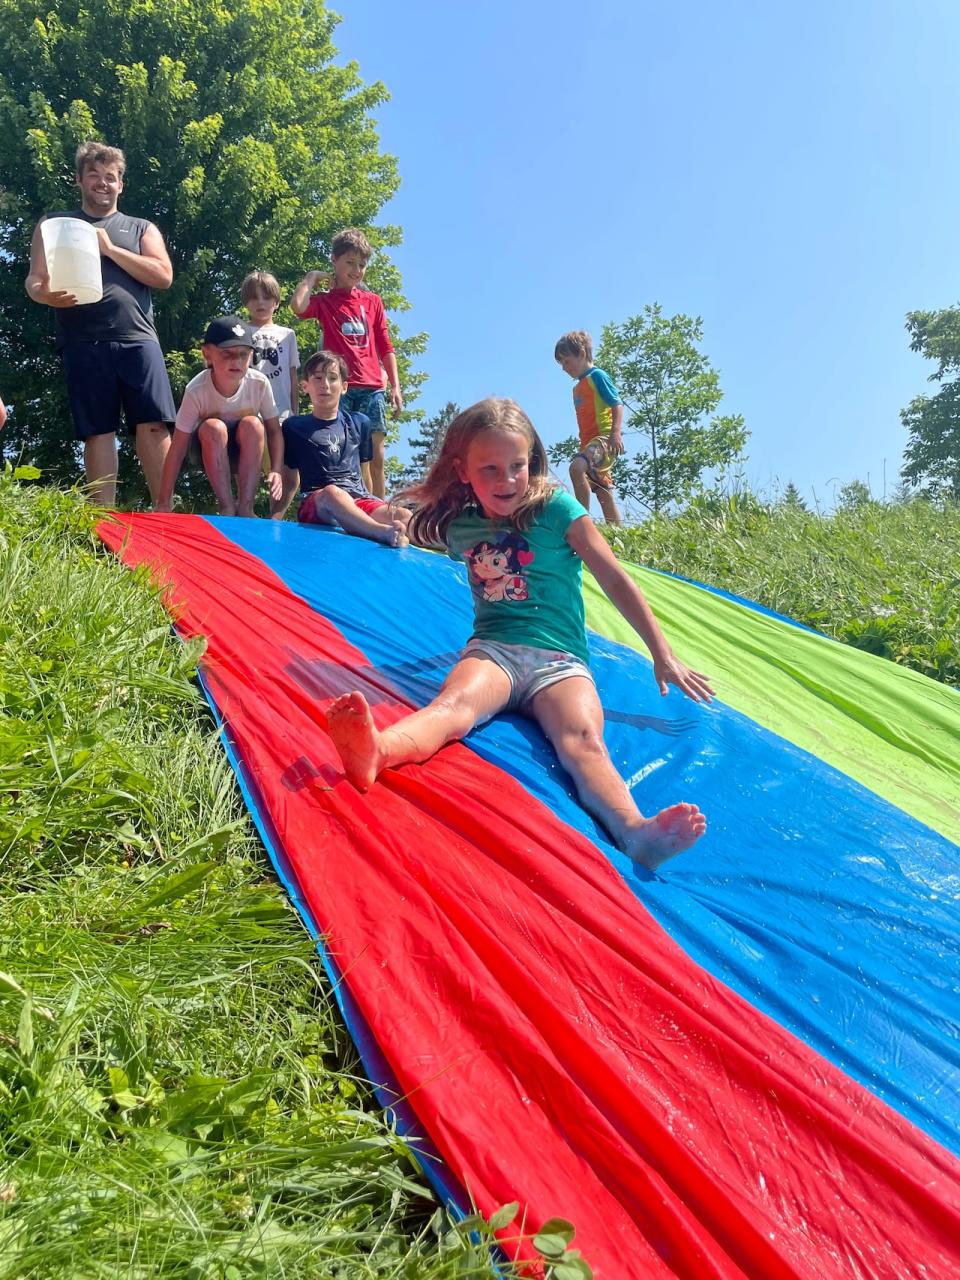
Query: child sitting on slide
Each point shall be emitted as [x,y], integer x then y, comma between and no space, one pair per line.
[229,408]
[489,501]
[322,453]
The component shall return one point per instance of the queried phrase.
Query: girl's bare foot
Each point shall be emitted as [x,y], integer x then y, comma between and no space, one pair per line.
[667,833]
[356,738]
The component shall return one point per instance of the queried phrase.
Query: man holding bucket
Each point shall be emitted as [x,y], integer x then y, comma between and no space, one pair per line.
[104,326]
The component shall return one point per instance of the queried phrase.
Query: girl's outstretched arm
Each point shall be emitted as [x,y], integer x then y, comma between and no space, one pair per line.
[585,539]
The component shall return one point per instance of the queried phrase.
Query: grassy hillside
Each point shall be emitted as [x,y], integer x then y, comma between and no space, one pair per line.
[885,578]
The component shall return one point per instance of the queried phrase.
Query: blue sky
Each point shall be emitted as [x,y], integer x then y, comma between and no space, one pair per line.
[786,172]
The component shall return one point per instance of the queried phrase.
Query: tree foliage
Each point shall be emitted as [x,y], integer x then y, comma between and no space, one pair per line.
[853,496]
[244,143]
[932,455]
[425,447]
[670,392]
[792,499]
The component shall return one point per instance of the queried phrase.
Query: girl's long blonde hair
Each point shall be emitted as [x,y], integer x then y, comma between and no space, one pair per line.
[441,495]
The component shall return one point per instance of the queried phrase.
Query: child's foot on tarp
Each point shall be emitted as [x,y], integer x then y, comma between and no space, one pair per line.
[667,833]
[356,738]
[397,534]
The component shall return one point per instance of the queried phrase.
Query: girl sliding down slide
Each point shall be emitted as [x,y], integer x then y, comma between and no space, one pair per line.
[489,501]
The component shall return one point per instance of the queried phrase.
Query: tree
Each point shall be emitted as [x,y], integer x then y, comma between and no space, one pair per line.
[669,391]
[426,446]
[792,499]
[854,496]
[932,455]
[245,144]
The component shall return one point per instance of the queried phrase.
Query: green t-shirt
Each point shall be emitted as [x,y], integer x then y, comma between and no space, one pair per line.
[526,586]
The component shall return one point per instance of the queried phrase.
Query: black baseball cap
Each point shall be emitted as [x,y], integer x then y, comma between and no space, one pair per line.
[228,331]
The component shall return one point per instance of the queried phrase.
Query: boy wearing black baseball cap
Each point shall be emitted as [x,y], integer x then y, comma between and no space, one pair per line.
[229,410]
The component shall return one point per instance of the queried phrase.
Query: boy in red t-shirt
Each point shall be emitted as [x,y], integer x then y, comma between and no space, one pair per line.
[355,327]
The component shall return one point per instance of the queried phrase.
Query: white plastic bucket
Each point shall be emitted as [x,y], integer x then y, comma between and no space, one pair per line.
[73,258]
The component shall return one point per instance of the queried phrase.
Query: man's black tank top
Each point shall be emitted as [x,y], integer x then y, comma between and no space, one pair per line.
[125,312]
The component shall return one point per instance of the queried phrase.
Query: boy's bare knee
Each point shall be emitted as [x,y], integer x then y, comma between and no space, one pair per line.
[329,497]
[251,426]
[578,467]
[214,430]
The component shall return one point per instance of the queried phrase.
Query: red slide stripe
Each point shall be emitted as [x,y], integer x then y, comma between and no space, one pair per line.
[555,1043]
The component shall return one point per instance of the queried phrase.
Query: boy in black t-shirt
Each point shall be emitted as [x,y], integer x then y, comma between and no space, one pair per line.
[322,453]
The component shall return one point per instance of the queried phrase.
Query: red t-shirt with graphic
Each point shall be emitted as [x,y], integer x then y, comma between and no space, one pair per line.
[354,326]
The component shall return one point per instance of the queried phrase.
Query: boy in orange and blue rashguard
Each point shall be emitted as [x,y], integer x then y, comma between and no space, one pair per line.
[599,412]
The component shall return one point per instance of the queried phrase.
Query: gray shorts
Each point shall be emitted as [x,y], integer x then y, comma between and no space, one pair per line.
[529,669]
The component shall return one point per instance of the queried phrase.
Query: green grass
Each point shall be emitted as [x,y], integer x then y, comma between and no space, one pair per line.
[885,578]
[178,1097]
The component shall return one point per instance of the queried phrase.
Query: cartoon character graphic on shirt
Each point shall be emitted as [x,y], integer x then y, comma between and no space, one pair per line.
[496,569]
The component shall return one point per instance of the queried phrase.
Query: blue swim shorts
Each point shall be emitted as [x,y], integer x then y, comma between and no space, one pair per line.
[368,400]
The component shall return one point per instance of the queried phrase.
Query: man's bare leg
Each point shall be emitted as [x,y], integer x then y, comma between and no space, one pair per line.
[581,485]
[100,467]
[213,446]
[250,442]
[152,444]
[570,715]
[475,690]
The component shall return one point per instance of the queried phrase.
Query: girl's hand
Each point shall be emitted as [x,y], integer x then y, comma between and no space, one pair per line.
[694,684]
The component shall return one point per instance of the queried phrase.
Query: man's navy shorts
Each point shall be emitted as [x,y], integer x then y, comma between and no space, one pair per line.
[104,378]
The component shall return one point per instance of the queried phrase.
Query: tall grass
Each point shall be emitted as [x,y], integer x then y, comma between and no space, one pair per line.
[177,1095]
[885,578]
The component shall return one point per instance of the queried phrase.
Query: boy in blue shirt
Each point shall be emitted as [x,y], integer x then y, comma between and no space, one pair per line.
[322,452]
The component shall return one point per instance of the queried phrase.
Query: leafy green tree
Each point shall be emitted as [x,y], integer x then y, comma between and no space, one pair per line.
[670,392]
[244,143]
[854,496]
[932,455]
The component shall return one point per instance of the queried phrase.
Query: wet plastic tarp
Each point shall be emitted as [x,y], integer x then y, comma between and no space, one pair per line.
[746,1066]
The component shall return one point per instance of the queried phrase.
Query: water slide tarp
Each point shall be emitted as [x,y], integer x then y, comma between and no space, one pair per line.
[746,1066]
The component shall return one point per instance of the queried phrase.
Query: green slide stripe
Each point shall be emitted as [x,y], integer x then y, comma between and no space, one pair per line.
[890,728]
